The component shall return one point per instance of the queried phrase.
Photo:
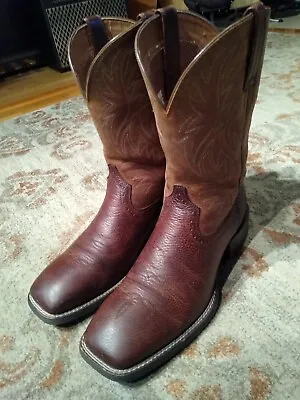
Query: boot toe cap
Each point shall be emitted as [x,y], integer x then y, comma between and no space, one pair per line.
[60,288]
[48,297]
[110,346]
[121,336]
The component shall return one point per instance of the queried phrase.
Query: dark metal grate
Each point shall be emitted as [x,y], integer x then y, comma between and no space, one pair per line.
[63,20]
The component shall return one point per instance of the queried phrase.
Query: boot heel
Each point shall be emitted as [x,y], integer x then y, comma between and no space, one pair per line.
[233,251]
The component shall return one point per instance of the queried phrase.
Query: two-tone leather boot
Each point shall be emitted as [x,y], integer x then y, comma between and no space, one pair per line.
[103,60]
[203,86]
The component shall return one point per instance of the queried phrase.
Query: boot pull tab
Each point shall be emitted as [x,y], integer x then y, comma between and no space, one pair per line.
[97,33]
[144,15]
[261,15]
[170,29]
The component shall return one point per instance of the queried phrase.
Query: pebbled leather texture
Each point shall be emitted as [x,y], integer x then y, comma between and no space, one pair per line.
[168,287]
[202,129]
[101,256]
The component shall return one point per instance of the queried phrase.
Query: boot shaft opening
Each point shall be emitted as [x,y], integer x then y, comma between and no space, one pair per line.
[83,50]
[194,33]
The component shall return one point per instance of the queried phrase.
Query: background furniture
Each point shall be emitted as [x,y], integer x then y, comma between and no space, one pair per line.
[136,7]
[282,8]
[23,38]
[34,33]
[207,8]
[62,17]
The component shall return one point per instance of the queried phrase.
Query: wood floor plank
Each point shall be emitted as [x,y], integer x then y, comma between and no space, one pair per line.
[34,90]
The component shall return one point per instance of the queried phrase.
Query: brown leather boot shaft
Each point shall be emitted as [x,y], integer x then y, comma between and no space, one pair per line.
[204,124]
[112,84]
[82,50]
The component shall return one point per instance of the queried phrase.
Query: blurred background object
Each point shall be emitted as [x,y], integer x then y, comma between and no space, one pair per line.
[23,37]
[224,12]
[35,33]
[135,7]
[62,17]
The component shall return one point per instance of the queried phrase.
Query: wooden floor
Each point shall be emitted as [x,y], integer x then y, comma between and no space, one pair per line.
[34,90]
[37,89]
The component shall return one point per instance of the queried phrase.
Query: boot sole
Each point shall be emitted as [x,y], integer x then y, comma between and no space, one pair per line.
[77,314]
[141,370]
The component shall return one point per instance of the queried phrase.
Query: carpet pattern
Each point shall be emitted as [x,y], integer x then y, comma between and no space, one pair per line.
[52,183]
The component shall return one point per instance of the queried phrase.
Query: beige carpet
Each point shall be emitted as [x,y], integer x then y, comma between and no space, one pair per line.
[52,180]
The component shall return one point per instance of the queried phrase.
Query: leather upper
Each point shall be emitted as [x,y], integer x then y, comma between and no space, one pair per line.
[102,254]
[119,105]
[203,127]
[114,89]
[168,287]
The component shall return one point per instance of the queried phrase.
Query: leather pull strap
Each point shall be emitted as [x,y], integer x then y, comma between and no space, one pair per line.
[144,15]
[170,30]
[261,15]
[97,32]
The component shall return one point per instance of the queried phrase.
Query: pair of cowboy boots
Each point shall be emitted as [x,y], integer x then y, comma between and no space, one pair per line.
[172,100]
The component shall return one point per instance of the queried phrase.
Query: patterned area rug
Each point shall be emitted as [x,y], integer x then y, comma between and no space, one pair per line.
[52,183]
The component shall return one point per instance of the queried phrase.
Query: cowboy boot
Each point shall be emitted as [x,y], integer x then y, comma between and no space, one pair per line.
[203,86]
[103,60]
